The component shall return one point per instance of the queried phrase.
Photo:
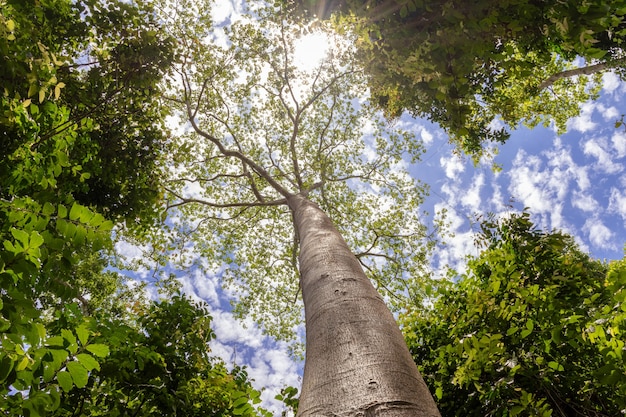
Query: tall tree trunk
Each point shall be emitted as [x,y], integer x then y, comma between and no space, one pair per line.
[357,362]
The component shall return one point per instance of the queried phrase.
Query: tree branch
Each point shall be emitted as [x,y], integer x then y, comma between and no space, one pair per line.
[185,200]
[588,70]
[226,152]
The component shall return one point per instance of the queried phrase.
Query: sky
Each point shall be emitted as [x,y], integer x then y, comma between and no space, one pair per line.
[575,182]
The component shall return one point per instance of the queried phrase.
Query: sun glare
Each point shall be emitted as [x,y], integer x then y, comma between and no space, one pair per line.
[310,50]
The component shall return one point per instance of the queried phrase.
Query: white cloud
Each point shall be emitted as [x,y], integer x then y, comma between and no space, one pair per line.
[608,113]
[129,251]
[619,143]
[610,82]
[497,200]
[230,330]
[205,287]
[529,183]
[453,165]
[583,123]
[597,148]
[599,235]
[267,363]
[426,136]
[617,203]
[471,198]
[225,10]
[585,202]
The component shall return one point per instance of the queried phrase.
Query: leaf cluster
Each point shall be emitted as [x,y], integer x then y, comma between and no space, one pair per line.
[79,119]
[481,69]
[534,328]
[81,132]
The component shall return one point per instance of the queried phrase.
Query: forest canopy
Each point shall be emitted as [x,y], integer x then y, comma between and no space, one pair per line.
[481,69]
[210,148]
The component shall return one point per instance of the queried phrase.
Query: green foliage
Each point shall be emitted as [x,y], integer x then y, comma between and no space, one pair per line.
[80,122]
[81,136]
[265,128]
[480,69]
[154,359]
[535,328]
[289,397]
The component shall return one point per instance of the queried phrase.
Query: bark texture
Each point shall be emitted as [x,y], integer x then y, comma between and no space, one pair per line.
[357,363]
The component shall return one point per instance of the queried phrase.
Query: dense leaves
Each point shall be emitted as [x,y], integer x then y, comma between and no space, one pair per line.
[535,328]
[80,121]
[82,137]
[153,359]
[481,68]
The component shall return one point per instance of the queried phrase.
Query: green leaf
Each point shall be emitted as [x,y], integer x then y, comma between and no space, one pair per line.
[83,334]
[55,341]
[512,330]
[22,364]
[76,211]
[48,209]
[88,361]
[99,350]
[36,240]
[80,376]
[68,335]
[240,402]
[6,366]
[65,381]
[555,365]
[62,211]
[21,236]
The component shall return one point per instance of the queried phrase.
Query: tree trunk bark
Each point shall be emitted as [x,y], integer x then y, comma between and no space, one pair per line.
[357,362]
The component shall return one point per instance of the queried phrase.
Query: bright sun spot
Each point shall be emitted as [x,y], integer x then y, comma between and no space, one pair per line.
[310,50]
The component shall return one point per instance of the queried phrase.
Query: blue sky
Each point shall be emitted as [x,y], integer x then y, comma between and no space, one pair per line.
[574,182]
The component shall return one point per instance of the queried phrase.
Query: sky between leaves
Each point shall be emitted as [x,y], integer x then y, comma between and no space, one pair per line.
[575,182]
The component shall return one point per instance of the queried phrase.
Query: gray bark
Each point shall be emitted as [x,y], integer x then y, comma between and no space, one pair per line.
[357,362]
[588,70]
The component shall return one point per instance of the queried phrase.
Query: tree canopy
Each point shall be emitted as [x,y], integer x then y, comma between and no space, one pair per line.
[534,328]
[263,128]
[82,139]
[481,69]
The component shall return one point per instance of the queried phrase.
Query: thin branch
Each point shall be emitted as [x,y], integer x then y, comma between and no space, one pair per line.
[185,200]
[226,152]
[375,255]
[588,70]
[199,179]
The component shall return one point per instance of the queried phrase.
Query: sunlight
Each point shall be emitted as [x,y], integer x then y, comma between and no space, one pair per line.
[310,50]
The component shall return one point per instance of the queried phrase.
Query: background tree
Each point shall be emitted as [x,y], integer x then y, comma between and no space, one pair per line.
[158,362]
[81,140]
[273,152]
[534,328]
[481,69]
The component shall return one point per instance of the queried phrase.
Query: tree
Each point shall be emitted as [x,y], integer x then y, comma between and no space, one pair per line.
[277,162]
[158,363]
[534,328]
[57,182]
[90,115]
[481,69]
